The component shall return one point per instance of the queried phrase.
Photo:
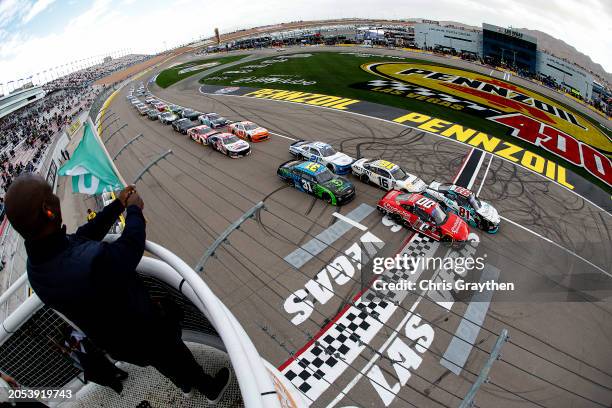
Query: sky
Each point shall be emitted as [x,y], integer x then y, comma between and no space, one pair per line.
[36,35]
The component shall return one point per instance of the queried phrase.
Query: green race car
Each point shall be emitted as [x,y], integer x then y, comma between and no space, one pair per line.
[316,179]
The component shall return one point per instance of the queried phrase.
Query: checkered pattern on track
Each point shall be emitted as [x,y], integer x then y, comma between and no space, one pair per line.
[322,362]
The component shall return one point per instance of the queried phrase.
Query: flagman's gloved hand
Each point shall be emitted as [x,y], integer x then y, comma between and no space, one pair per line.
[126,193]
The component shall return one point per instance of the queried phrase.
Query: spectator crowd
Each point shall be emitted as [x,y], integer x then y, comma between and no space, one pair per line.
[26,133]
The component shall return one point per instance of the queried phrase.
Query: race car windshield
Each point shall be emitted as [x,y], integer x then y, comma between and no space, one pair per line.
[474,202]
[324,177]
[398,173]
[327,151]
[438,216]
[230,140]
[250,126]
[402,197]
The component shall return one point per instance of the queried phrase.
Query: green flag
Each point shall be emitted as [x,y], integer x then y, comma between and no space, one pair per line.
[90,168]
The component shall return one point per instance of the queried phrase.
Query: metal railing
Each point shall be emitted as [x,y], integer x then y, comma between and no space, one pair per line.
[98,103]
[28,337]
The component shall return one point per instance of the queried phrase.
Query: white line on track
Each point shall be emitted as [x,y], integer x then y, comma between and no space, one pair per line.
[485,176]
[558,245]
[350,221]
[283,136]
[415,128]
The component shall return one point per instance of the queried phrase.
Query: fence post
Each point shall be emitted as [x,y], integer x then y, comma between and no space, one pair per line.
[148,166]
[107,126]
[223,236]
[132,140]
[483,376]
[115,132]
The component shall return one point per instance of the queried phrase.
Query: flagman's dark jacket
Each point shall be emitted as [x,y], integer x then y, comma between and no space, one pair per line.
[94,284]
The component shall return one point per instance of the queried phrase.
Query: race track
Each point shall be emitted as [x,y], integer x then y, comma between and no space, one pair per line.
[554,246]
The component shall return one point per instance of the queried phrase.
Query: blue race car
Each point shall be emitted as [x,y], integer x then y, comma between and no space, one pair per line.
[316,179]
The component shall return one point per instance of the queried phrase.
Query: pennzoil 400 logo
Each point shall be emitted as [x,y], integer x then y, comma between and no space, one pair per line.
[528,115]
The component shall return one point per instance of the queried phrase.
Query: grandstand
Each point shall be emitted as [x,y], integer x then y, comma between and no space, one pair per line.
[31,118]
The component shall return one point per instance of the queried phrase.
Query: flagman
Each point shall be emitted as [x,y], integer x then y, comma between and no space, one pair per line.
[95,285]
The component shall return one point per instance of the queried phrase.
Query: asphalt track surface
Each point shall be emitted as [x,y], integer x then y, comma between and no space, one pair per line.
[556,250]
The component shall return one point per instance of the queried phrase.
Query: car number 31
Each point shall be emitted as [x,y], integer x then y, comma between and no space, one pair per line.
[306,185]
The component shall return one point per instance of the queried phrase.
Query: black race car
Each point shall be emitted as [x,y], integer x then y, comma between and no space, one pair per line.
[213,120]
[153,114]
[190,114]
[183,125]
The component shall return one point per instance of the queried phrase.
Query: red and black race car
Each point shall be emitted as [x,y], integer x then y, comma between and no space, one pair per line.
[424,215]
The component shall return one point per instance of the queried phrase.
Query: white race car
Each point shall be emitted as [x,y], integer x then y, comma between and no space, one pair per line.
[464,203]
[229,145]
[387,175]
[323,153]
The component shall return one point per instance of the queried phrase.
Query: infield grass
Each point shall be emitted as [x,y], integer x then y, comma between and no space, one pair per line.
[171,76]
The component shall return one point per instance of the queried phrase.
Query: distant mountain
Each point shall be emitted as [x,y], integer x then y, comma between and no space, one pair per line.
[558,48]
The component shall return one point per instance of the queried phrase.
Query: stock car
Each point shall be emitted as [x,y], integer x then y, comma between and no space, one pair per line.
[249,131]
[464,202]
[229,145]
[387,175]
[316,179]
[153,114]
[183,125]
[190,114]
[213,120]
[424,215]
[167,117]
[161,107]
[175,109]
[201,133]
[323,153]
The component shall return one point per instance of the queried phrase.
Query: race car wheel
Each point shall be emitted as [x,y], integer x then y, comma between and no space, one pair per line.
[327,198]
[249,138]
[331,168]
[364,178]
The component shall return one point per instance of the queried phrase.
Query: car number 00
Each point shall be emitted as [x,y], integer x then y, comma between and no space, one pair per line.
[425,202]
